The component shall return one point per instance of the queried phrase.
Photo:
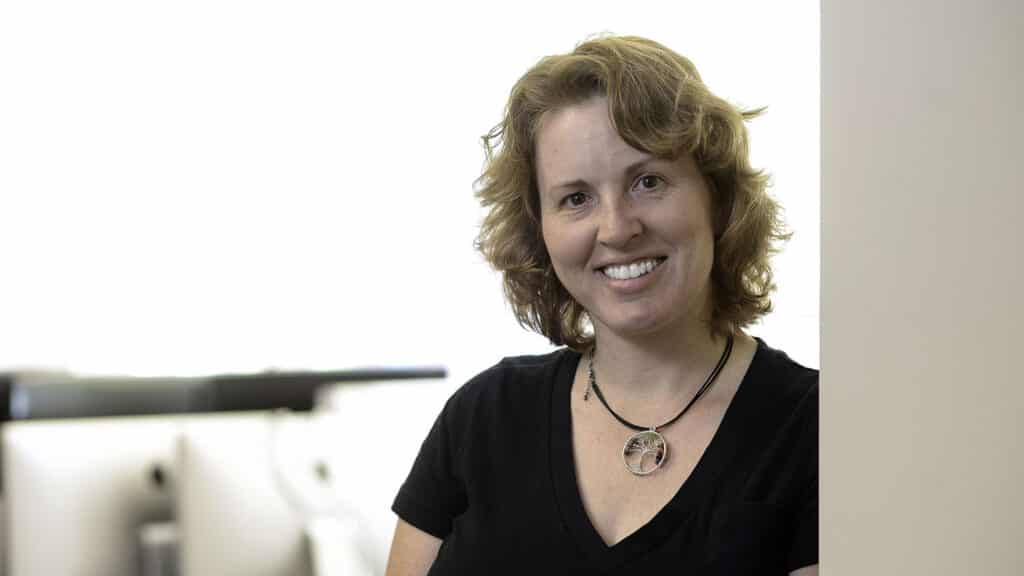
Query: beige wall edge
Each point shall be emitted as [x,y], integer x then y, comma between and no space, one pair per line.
[922,462]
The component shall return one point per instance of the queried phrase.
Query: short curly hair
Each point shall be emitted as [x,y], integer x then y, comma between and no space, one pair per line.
[659,105]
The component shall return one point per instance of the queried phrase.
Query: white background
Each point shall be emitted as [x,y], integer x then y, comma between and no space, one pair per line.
[215,186]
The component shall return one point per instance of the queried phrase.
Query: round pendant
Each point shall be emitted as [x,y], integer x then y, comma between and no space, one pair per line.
[644,452]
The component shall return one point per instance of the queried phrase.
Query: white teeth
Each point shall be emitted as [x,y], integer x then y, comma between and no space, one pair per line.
[630,271]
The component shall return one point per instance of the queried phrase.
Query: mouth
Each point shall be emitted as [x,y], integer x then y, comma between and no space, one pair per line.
[633,269]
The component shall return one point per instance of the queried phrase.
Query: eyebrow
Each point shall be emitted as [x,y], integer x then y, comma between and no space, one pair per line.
[630,170]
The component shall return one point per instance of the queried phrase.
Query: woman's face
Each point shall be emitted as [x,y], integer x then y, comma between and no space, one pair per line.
[629,235]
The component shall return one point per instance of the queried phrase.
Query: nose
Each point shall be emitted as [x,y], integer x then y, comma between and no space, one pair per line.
[618,224]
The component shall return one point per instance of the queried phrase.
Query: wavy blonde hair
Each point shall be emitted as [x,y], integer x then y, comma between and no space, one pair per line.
[659,105]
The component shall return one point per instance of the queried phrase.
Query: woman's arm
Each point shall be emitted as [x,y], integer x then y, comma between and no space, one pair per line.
[412,551]
[806,571]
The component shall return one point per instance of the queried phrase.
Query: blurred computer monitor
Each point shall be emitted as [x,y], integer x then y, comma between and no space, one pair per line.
[251,490]
[78,492]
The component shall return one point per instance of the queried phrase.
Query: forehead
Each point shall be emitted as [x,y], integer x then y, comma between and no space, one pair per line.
[578,141]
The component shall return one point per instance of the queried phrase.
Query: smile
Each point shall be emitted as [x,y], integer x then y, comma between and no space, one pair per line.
[632,270]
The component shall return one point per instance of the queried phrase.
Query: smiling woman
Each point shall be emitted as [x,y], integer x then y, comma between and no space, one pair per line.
[631,229]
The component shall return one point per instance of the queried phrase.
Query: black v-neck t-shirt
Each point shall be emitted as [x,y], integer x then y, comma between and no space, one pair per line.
[495,480]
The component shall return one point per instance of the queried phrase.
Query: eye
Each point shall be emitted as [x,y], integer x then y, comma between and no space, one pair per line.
[648,182]
[575,200]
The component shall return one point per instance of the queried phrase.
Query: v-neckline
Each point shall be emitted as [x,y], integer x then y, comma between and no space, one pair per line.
[722,448]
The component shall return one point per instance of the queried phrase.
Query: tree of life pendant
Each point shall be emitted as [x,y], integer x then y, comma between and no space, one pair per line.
[644,452]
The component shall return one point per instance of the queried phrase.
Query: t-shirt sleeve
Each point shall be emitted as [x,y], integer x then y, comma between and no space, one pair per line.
[804,549]
[434,494]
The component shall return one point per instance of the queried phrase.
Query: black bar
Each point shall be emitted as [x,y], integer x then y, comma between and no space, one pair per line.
[66,396]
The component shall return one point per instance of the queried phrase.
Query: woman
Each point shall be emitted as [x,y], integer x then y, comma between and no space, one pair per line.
[630,228]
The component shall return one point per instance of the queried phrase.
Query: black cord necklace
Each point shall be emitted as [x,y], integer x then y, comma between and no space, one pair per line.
[647,441]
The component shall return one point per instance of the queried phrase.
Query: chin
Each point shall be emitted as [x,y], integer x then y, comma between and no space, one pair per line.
[633,325]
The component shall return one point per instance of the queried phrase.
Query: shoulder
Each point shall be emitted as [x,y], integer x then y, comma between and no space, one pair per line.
[516,375]
[780,395]
[512,383]
[787,379]
[779,412]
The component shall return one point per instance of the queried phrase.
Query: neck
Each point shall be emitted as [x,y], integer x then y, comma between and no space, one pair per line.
[644,374]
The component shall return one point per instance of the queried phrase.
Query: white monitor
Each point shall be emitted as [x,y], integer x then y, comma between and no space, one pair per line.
[253,494]
[78,492]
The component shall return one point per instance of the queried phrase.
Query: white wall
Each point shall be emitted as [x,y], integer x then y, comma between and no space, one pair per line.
[207,186]
[921,434]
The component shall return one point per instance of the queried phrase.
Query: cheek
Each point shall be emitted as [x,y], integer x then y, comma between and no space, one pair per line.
[690,230]
[567,247]
[702,243]
[694,239]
